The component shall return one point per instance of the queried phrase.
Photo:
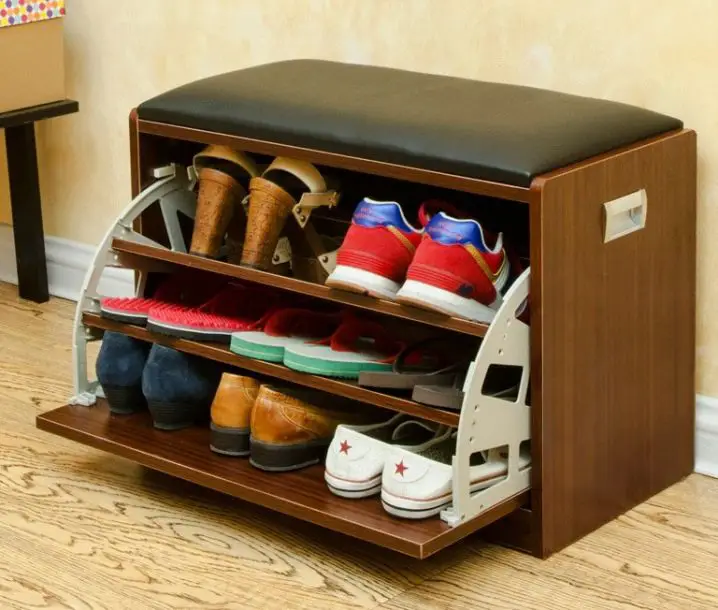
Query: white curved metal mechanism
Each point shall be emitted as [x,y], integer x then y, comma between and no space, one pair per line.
[174,191]
[489,423]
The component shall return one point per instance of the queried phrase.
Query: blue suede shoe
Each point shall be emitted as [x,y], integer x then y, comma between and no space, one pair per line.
[119,369]
[179,388]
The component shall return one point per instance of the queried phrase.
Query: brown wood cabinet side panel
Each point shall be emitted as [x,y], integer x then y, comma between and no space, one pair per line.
[617,324]
[536,308]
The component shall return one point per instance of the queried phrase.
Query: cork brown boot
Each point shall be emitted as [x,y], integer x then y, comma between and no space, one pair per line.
[231,413]
[223,174]
[269,207]
[272,198]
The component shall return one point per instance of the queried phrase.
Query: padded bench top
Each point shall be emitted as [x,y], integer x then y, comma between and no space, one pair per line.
[499,132]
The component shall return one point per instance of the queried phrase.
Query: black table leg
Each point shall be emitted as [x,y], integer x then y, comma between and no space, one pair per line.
[26,212]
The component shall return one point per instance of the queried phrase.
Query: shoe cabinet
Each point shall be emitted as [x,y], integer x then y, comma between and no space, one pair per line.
[606,396]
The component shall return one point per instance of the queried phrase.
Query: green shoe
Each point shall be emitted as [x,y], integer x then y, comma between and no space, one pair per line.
[260,345]
[356,346]
[284,328]
[323,360]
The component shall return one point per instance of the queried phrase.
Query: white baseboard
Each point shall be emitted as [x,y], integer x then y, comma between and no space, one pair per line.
[707,435]
[67,263]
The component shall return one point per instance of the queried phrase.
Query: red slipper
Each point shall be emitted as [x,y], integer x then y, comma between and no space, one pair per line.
[234,308]
[284,328]
[171,292]
[357,345]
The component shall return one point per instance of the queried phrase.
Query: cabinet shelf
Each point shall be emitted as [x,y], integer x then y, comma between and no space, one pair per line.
[220,353]
[301,287]
[301,494]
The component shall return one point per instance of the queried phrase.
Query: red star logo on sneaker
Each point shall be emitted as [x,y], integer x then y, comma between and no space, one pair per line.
[344,447]
[400,468]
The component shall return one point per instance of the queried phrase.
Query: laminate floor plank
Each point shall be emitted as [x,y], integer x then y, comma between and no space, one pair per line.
[662,555]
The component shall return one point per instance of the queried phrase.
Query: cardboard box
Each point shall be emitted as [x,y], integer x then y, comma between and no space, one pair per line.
[32,58]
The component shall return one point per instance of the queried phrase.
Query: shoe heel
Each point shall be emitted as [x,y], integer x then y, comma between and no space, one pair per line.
[233,442]
[427,296]
[360,281]
[282,458]
[218,195]
[308,248]
[174,415]
[269,208]
[125,400]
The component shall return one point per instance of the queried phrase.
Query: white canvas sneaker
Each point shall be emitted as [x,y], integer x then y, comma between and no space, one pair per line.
[418,485]
[355,459]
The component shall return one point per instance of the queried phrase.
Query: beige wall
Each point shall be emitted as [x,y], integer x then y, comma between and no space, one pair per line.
[662,55]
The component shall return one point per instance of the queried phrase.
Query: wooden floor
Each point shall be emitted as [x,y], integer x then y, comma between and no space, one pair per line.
[81,529]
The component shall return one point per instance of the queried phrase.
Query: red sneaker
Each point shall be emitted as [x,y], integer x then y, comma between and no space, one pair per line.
[233,309]
[172,291]
[378,248]
[455,272]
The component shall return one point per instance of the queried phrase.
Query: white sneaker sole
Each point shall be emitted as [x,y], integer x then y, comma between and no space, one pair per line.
[407,508]
[437,299]
[363,282]
[352,489]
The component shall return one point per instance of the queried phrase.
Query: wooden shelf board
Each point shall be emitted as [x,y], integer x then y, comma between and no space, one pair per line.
[221,353]
[367,166]
[301,287]
[301,494]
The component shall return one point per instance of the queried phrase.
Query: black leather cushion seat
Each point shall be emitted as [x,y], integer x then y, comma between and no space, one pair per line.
[499,132]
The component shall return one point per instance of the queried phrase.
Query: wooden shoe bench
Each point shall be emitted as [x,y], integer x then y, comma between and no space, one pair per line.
[600,197]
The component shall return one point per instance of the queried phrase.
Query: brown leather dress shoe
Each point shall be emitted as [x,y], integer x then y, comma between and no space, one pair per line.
[231,412]
[292,428]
